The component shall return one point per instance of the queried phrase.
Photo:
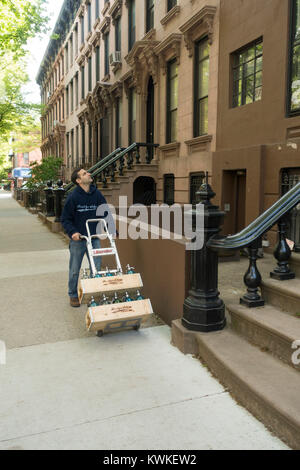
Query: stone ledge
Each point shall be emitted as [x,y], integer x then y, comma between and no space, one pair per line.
[183,339]
[55,227]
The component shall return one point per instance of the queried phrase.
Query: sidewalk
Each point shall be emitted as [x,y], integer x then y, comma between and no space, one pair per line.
[63,388]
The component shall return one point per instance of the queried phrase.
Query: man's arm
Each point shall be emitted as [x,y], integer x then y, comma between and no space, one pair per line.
[67,219]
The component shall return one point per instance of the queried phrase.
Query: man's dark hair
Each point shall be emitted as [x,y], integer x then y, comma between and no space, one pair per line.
[75,175]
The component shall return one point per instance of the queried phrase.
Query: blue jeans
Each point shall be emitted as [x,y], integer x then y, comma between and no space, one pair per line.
[77,252]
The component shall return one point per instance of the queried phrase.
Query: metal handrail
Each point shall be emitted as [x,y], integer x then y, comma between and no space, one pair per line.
[120,155]
[93,168]
[256,229]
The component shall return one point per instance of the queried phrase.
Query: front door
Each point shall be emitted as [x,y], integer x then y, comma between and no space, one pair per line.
[234,201]
[150,115]
[104,137]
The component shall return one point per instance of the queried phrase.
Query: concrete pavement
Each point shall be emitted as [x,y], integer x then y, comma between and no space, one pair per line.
[63,388]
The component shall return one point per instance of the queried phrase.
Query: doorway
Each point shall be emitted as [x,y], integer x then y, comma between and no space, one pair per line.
[150,116]
[144,191]
[234,200]
[104,137]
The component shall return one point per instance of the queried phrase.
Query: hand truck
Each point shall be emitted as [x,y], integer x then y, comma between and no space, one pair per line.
[97,252]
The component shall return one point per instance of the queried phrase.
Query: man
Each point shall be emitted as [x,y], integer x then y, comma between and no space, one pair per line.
[81,205]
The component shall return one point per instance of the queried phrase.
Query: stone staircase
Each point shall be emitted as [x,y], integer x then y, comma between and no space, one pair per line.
[252,356]
[123,185]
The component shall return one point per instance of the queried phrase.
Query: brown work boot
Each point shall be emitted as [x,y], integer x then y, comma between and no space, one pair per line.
[74,302]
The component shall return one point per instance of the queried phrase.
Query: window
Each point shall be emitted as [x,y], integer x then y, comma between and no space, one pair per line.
[72,146]
[90,143]
[196,180]
[89,15]
[247,74]
[97,64]
[67,101]
[294,68]
[106,54]
[132,116]
[76,39]
[149,15]
[26,158]
[118,34]
[82,29]
[172,100]
[169,186]
[82,83]
[71,50]
[68,148]
[97,11]
[67,57]
[171,4]
[77,145]
[76,89]
[83,143]
[118,123]
[131,24]
[71,96]
[90,73]
[201,88]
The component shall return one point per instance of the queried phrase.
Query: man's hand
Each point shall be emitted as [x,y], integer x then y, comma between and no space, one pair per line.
[76,237]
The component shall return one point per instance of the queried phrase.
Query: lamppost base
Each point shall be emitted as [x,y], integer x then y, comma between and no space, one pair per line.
[204,319]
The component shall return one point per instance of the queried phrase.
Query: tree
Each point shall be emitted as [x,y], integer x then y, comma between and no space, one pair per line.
[47,170]
[14,111]
[20,20]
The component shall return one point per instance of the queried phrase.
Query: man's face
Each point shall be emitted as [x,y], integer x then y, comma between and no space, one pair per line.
[84,177]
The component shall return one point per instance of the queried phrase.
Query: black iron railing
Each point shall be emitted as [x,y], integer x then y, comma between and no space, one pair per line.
[203,309]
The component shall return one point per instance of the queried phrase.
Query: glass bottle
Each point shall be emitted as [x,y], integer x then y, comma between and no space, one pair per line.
[116,300]
[93,303]
[130,270]
[139,295]
[105,300]
[127,298]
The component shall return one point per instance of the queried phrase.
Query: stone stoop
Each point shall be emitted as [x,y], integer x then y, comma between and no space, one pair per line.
[294,264]
[123,184]
[284,295]
[262,383]
[252,356]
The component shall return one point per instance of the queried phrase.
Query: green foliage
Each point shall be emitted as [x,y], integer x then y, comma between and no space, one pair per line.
[20,20]
[4,173]
[14,111]
[47,170]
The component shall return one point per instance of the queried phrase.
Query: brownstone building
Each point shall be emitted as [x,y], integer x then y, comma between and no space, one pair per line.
[214,83]
[134,71]
[257,155]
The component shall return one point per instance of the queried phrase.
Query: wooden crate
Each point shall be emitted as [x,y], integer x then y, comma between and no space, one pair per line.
[96,287]
[112,317]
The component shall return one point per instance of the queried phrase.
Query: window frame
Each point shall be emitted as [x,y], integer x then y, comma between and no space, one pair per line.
[169,112]
[197,132]
[234,55]
[149,15]
[171,4]
[131,24]
[169,177]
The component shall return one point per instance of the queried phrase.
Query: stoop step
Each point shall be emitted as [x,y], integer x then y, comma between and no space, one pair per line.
[294,264]
[265,386]
[268,328]
[284,295]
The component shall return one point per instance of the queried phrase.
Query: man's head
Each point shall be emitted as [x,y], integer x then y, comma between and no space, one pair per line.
[81,177]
